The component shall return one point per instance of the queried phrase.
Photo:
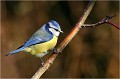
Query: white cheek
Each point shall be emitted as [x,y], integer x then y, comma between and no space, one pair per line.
[56,33]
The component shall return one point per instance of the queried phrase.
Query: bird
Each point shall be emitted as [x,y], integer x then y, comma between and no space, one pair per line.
[43,40]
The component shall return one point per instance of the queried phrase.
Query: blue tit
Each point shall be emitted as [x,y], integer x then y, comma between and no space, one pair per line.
[42,40]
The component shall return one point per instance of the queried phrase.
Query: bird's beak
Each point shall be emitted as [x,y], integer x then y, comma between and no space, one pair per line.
[61,31]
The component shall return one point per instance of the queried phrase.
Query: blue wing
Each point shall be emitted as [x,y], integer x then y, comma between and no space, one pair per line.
[39,36]
[33,41]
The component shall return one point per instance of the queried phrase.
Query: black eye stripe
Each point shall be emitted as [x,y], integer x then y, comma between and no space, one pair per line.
[54,29]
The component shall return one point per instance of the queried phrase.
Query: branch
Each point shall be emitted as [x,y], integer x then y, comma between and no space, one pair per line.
[104,20]
[63,44]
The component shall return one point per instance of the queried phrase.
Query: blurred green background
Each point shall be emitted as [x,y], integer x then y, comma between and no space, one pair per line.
[93,52]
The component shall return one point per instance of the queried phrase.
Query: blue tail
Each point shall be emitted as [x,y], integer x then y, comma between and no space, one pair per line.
[15,51]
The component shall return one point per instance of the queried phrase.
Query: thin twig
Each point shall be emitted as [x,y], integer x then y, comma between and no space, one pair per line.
[118,27]
[63,44]
[104,20]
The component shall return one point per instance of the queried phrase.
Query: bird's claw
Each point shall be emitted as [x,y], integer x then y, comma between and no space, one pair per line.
[42,63]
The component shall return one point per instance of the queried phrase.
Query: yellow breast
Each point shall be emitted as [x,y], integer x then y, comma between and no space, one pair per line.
[43,47]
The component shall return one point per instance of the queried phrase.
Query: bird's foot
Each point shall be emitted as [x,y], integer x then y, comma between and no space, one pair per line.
[56,51]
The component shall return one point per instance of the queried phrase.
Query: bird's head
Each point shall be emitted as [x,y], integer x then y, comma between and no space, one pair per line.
[54,28]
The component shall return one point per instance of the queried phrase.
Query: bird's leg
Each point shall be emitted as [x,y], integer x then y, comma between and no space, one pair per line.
[55,51]
[42,61]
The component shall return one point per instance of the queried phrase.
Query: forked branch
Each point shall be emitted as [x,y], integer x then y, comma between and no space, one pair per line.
[69,37]
[104,20]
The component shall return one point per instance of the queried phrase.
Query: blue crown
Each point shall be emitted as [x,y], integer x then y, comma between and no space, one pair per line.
[55,24]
